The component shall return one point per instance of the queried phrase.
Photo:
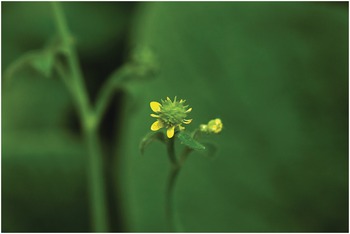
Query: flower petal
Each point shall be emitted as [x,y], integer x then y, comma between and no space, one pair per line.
[155,106]
[187,121]
[170,132]
[157,125]
[155,116]
[189,110]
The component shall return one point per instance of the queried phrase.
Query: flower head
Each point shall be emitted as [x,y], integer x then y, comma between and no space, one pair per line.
[170,115]
[213,126]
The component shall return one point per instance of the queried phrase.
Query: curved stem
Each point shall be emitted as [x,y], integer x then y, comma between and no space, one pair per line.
[173,175]
[176,165]
[184,155]
[64,76]
[108,89]
[16,65]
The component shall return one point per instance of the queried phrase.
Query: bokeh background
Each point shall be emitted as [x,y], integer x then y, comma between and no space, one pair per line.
[275,73]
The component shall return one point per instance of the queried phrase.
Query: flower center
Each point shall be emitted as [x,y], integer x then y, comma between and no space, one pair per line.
[172,113]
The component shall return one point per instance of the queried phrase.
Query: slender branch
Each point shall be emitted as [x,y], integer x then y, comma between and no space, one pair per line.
[97,188]
[64,76]
[74,68]
[184,155]
[16,65]
[108,89]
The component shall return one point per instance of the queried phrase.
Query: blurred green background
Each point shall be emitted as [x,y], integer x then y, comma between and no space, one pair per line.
[275,73]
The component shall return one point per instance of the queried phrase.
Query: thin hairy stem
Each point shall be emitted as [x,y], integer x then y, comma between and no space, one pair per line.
[176,165]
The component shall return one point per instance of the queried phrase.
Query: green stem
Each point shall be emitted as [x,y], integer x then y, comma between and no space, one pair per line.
[76,74]
[96,183]
[171,151]
[175,169]
[64,76]
[176,165]
[97,188]
[184,155]
[109,88]
[169,209]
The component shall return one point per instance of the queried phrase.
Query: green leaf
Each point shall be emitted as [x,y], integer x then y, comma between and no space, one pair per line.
[186,139]
[149,138]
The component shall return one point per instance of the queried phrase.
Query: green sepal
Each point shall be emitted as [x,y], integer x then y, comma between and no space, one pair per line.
[188,140]
[149,138]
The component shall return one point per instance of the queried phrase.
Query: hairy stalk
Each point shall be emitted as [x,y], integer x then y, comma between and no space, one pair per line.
[88,119]
[175,169]
[173,175]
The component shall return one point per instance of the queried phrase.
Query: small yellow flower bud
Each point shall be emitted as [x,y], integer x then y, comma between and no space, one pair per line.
[213,126]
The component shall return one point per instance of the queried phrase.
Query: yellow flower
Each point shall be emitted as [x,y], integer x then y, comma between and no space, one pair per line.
[213,126]
[170,115]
